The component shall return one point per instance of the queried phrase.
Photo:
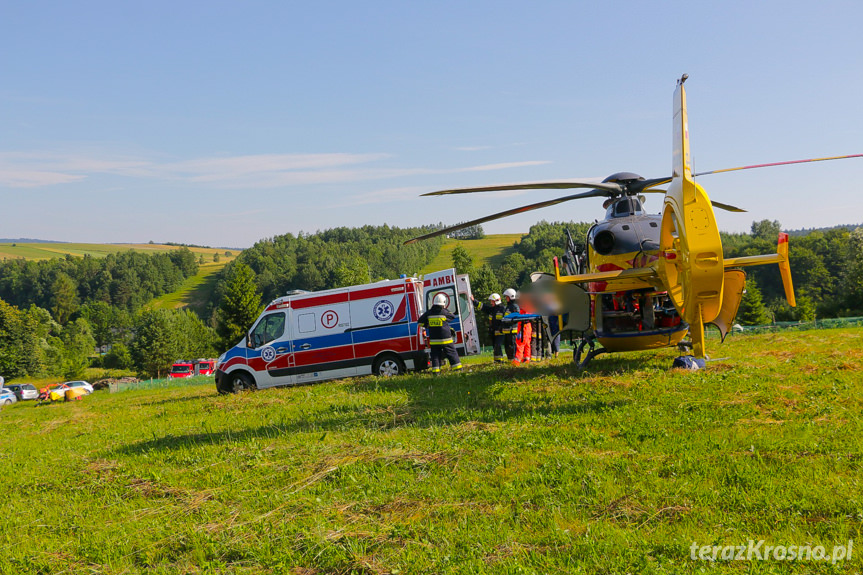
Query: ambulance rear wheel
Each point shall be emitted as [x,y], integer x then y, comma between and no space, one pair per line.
[388,365]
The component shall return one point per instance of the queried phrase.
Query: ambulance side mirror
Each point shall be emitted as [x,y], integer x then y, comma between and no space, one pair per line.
[249,341]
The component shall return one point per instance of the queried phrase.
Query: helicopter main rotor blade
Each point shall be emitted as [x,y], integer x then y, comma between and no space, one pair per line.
[646,185]
[720,205]
[550,185]
[779,164]
[726,207]
[512,212]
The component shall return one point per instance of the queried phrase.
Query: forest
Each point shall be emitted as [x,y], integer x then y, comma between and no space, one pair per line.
[54,313]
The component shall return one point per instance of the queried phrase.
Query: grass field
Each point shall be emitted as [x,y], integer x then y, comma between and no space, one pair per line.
[491,249]
[498,470]
[42,251]
[195,292]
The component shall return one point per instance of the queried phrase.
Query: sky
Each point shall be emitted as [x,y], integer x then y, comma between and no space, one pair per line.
[222,123]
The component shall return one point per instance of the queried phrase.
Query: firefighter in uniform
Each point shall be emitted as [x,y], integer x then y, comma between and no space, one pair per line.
[510,329]
[494,310]
[440,334]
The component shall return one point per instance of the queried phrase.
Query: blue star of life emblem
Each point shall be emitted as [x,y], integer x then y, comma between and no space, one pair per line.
[268,354]
[384,310]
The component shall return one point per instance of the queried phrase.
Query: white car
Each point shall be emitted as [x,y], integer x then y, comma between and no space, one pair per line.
[80,384]
[7,396]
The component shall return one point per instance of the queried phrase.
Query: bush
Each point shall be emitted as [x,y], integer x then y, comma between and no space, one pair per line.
[118,358]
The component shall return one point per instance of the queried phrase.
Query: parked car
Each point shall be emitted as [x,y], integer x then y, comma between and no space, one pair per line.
[7,397]
[24,391]
[79,384]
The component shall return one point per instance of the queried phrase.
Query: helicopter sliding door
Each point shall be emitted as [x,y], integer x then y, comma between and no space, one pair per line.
[638,319]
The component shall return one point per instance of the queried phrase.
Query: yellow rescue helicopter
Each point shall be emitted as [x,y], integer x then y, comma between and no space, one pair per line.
[645,281]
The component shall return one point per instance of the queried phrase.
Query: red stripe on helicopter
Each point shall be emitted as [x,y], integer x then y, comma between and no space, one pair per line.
[600,286]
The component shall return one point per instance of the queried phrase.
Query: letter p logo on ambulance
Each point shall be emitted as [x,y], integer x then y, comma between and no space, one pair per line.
[384,310]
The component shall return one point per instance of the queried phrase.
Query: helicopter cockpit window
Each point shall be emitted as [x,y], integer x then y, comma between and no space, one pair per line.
[625,207]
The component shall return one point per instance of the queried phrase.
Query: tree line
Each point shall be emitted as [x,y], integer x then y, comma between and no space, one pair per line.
[55,313]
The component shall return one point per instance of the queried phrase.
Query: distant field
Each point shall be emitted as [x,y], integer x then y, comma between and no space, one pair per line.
[498,470]
[43,251]
[491,249]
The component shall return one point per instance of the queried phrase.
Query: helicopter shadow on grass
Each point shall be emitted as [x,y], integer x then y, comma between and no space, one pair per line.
[480,394]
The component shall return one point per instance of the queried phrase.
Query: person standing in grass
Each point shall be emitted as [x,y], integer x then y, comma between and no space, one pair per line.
[510,329]
[440,334]
[494,310]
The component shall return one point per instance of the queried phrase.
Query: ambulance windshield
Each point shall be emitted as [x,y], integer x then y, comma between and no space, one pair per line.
[270,327]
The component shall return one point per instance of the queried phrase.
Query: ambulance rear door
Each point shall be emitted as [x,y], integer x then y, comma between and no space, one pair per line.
[468,315]
[445,282]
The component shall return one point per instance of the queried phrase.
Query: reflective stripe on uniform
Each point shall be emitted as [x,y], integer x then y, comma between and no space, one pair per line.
[440,341]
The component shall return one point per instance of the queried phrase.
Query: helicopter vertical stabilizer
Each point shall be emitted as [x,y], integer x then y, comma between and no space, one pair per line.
[690,248]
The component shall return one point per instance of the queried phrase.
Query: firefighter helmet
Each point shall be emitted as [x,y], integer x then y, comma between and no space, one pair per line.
[494,298]
[510,293]
[440,299]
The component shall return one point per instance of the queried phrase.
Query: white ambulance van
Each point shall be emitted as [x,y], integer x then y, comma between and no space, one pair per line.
[306,337]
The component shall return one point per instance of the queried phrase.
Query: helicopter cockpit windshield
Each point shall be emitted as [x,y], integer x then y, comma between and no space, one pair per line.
[625,207]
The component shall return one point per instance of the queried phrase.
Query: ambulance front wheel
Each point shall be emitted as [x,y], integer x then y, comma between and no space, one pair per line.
[388,365]
[240,381]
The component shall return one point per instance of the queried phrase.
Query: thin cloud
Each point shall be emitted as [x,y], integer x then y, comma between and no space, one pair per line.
[387,195]
[471,148]
[34,178]
[20,170]
[504,166]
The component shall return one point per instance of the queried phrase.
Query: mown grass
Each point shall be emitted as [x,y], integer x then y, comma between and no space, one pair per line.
[491,250]
[539,469]
[196,292]
[42,251]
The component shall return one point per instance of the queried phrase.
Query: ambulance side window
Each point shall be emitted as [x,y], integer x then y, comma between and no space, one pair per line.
[464,305]
[306,322]
[271,327]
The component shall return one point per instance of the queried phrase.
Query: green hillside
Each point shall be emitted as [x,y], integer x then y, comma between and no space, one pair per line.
[43,251]
[539,469]
[491,249]
[195,292]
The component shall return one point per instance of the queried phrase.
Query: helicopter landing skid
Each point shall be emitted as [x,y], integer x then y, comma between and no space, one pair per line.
[594,351]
